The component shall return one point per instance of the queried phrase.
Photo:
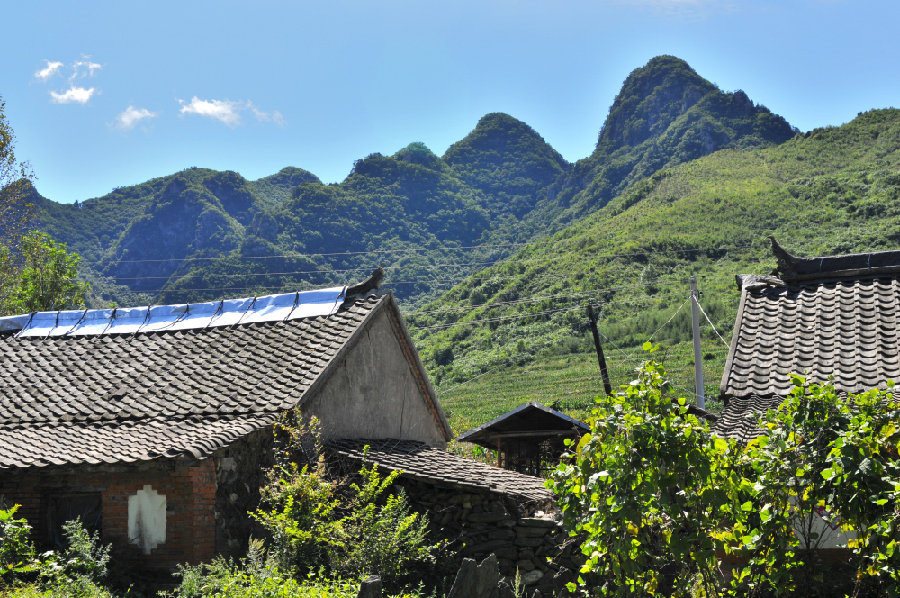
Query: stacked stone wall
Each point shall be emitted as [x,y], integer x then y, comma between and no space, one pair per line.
[525,537]
[240,473]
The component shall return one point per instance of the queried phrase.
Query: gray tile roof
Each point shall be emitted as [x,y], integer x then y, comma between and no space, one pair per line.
[120,398]
[740,418]
[847,329]
[833,320]
[436,466]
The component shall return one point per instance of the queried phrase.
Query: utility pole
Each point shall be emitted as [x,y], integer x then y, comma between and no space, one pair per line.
[698,362]
[592,318]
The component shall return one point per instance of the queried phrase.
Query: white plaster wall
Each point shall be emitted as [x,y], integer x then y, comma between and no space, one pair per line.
[147,519]
[373,393]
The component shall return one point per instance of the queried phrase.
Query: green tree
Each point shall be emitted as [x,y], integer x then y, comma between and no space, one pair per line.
[662,507]
[46,276]
[827,458]
[14,210]
[649,490]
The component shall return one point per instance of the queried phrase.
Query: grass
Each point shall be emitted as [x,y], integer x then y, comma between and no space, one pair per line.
[573,381]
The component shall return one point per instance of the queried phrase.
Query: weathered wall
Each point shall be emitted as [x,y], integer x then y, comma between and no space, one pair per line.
[478,524]
[240,473]
[373,392]
[190,492]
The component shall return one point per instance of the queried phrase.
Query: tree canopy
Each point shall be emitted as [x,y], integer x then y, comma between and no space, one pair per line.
[36,273]
[47,277]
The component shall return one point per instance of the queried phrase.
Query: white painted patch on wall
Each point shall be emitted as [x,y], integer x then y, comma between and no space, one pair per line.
[147,519]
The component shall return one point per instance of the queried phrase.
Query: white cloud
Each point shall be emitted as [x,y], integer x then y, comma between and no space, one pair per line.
[224,111]
[73,95]
[267,117]
[128,119]
[48,71]
[84,64]
[228,111]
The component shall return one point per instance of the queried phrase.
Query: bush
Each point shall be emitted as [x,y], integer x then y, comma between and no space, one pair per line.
[660,503]
[346,529]
[81,570]
[253,577]
[827,458]
[16,551]
[646,490]
[257,577]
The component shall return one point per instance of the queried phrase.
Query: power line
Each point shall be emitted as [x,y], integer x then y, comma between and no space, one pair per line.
[672,317]
[297,272]
[497,319]
[308,255]
[727,346]
[666,282]
[406,250]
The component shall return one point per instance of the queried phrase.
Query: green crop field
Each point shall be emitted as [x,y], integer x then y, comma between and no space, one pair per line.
[573,381]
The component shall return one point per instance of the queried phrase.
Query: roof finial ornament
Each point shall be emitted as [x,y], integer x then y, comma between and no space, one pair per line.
[785,260]
[370,284]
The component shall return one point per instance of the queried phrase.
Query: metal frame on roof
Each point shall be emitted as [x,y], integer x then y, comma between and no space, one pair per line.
[185,316]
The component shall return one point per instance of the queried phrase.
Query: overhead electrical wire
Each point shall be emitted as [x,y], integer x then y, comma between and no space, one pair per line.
[307,255]
[497,319]
[407,250]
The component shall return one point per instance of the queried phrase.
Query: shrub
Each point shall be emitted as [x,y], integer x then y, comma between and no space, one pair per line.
[828,458]
[646,490]
[80,570]
[253,577]
[659,502]
[346,528]
[16,551]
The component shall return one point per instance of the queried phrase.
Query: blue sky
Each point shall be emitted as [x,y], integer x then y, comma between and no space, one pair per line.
[110,93]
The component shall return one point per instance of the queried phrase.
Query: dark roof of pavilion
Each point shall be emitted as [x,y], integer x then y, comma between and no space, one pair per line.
[531,421]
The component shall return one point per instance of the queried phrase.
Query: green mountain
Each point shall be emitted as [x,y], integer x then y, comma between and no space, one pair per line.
[831,190]
[508,162]
[200,234]
[665,114]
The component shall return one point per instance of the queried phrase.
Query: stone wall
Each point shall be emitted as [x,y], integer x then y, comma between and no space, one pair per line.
[524,537]
[240,473]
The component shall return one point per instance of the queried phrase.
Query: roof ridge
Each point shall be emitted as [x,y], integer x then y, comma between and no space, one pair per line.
[792,268]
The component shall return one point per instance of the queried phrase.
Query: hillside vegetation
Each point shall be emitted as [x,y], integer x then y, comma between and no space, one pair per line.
[829,191]
[495,248]
[201,234]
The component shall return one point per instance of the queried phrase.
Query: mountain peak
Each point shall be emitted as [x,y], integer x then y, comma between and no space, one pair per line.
[651,98]
[505,153]
[418,153]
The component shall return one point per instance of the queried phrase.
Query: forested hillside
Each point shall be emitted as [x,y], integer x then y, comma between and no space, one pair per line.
[832,190]
[495,248]
[200,234]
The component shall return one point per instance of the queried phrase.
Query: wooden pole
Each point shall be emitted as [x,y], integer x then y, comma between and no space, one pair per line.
[698,361]
[601,359]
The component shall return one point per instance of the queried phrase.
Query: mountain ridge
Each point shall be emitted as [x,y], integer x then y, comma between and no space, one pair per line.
[500,185]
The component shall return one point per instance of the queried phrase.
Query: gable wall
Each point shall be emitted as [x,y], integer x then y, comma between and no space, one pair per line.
[373,392]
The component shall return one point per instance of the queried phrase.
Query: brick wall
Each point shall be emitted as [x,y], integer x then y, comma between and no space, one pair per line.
[190,492]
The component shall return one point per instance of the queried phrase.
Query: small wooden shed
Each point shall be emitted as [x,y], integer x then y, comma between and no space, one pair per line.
[528,439]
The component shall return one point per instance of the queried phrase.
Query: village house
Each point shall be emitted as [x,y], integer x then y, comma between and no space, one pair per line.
[529,439]
[154,425]
[831,319]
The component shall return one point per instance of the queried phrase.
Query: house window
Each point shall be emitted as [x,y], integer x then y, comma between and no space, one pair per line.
[66,506]
[147,519]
